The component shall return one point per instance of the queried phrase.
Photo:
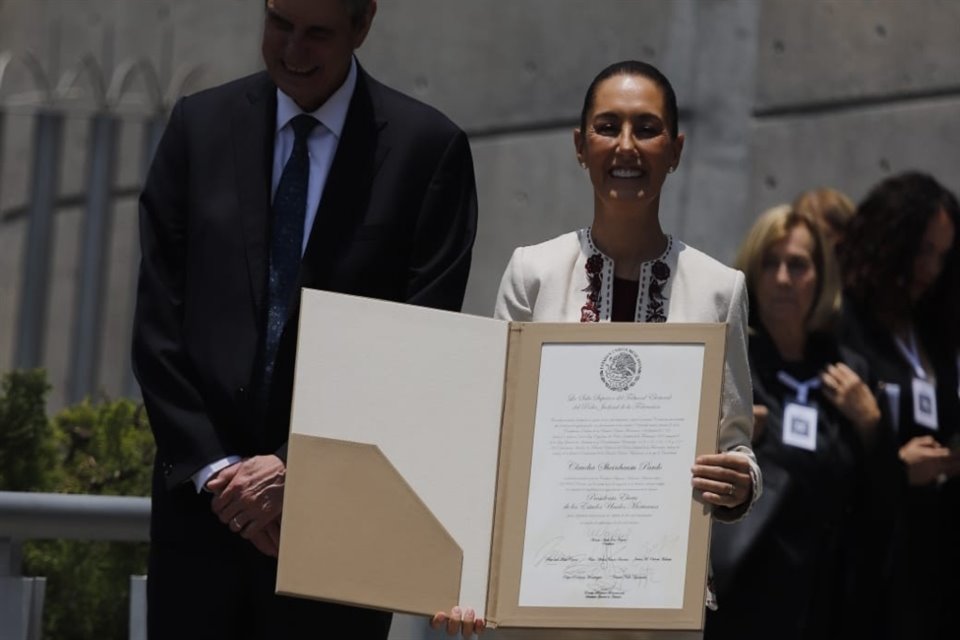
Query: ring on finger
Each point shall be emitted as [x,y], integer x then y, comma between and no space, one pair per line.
[731,490]
[235,524]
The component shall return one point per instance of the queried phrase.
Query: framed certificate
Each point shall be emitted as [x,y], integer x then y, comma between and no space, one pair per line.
[539,473]
[596,526]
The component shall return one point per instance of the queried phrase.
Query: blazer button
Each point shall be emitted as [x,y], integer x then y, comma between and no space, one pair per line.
[167,468]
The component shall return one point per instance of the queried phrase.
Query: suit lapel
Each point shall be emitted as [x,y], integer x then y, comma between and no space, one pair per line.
[347,191]
[254,121]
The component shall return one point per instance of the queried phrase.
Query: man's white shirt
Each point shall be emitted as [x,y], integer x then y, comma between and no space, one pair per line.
[322,147]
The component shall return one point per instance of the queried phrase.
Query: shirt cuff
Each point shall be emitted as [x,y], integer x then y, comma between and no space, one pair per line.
[201,477]
[726,514]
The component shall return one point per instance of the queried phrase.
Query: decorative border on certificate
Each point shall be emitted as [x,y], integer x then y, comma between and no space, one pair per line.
[596,526]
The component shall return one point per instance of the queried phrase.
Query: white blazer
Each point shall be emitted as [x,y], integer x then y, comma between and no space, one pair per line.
[548,282]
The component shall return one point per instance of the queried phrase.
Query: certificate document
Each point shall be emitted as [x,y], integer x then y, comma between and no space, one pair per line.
[608,509]
[581,439]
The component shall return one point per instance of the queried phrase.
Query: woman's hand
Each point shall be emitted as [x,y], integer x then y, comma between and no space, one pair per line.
[927,461]
[723,479]
[461,620]
[848,393]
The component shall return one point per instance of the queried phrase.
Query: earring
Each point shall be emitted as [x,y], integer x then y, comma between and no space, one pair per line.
[671,169]
[583,165]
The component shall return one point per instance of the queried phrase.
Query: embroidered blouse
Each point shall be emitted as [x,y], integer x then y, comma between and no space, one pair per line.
[602,286]
[567,279]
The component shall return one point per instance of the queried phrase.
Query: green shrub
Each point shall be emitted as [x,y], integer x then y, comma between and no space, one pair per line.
[28,446]
[102,448]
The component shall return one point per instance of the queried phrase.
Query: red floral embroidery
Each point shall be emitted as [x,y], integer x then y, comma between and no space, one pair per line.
[659,272]
[590,311]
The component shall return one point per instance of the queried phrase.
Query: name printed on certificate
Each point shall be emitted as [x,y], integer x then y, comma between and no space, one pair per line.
[608,511]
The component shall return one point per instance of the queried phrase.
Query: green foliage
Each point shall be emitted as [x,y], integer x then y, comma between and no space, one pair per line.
[28,448]
[87,586]
[109,448]
[103,448]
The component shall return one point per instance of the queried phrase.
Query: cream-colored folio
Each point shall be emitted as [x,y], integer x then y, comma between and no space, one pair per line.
[424,388]
[536,472]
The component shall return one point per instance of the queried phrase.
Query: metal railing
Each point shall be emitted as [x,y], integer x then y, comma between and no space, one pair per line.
[55,516]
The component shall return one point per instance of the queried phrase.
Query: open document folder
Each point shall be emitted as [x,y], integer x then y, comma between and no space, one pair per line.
[539,473]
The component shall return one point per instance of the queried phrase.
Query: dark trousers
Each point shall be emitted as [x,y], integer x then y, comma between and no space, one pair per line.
[225,589]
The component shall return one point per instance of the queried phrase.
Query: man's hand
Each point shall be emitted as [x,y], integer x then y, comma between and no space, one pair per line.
[267,541]
[249,497]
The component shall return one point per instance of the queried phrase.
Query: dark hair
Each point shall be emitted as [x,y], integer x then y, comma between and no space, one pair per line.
[356,8]
[635,68]
[882,241]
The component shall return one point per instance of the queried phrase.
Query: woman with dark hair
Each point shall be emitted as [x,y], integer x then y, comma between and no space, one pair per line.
[900,273]
[799,566]
[624,268]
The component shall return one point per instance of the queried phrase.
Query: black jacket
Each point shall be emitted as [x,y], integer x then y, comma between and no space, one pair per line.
[803,563]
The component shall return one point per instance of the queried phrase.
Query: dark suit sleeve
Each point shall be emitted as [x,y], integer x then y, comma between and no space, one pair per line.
[445,231]
[186,437]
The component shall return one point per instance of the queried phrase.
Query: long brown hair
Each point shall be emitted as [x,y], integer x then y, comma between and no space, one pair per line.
[882,241]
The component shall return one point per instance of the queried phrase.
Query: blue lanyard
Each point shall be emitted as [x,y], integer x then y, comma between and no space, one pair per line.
[912,354]
[802,389]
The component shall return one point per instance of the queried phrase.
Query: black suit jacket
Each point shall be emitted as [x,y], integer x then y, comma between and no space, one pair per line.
[925,556]
[806,561]
[396,221]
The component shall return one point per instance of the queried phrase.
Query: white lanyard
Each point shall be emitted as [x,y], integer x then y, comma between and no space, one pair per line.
[912,354]
[802,389]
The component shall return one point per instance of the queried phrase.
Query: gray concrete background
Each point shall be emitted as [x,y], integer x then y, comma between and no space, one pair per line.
[776,96]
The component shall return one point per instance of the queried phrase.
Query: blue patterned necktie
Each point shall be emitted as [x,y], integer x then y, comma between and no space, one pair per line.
[289,212]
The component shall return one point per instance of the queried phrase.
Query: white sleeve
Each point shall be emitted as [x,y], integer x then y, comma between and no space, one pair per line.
[512,300]
[201,477]
[736,406]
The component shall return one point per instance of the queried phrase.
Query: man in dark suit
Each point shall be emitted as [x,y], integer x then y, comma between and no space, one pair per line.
[248,199]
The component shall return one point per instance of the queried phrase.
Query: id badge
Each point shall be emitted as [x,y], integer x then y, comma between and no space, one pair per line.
[924,404]
[800,426]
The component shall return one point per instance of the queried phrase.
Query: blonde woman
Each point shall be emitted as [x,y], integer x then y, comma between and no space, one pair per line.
[819,452]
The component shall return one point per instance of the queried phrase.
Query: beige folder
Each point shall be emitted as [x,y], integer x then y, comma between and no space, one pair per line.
[409,462]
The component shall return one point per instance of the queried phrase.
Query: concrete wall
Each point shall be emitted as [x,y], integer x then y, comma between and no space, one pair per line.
[851,91]
[776,97]
[512,74]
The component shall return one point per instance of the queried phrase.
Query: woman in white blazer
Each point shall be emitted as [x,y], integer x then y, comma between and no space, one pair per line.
[625,268]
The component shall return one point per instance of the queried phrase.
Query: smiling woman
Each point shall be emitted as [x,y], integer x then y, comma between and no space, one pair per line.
[628,139]
[625,268]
